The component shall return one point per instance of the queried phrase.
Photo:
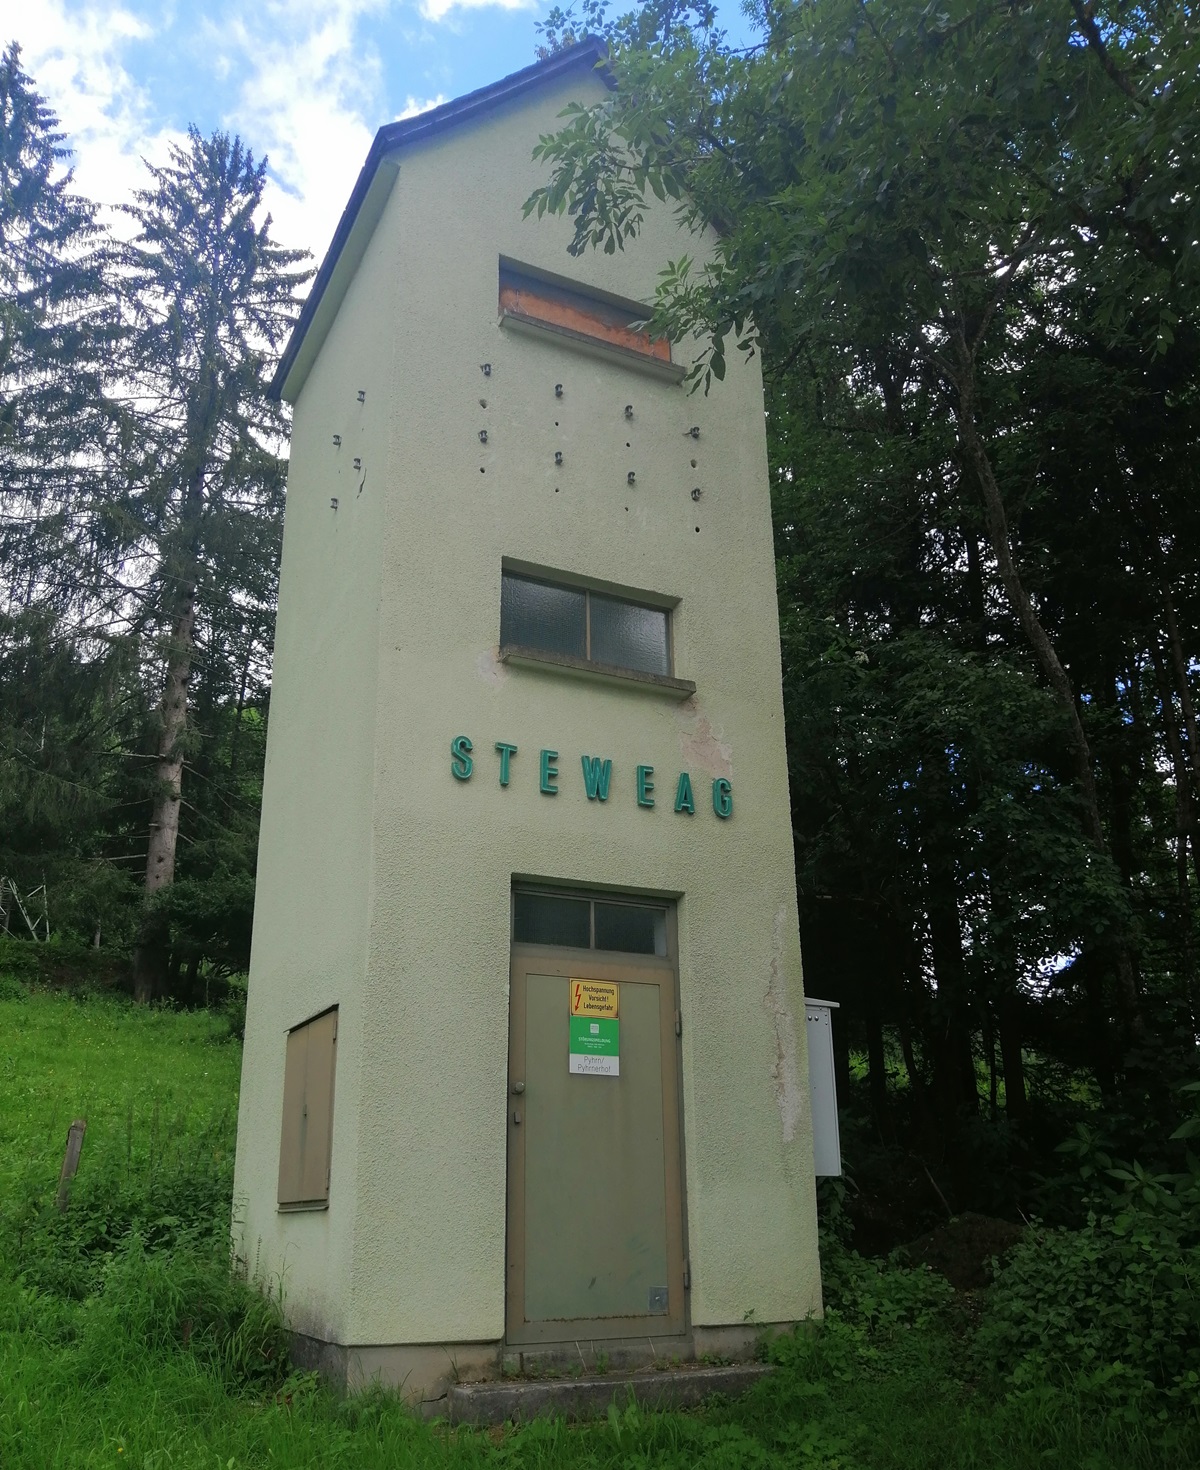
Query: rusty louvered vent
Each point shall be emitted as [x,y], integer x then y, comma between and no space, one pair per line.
[573,313]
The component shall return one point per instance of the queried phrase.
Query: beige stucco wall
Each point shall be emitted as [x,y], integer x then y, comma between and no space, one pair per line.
[313,900]
[384,883]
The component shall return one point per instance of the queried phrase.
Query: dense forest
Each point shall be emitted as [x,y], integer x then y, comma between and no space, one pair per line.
[141,503]
[963,242]
[962,239]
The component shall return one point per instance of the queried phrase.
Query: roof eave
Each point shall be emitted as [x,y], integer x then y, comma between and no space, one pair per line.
[373,187]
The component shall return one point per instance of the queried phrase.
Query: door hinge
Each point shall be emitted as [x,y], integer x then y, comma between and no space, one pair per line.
[687,1275]
[678,1023]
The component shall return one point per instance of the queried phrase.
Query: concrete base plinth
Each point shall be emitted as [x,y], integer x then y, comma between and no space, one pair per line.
[421,1373]
[517,1401]
[488,1382]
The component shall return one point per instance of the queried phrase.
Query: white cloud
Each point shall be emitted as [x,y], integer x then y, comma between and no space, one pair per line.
[309,97]
[414,107]
[302,81]
[437,10]
[76,61]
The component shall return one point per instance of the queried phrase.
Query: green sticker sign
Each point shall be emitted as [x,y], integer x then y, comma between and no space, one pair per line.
[595,1046]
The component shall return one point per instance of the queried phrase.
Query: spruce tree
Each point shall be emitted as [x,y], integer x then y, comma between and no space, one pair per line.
[210,298]
[58,326]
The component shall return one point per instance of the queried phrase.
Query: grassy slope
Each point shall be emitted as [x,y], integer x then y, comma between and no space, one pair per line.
[80,1386]
[114,1065]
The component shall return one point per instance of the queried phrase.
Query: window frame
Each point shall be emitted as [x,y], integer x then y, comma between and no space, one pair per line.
[527,654]
[593,896]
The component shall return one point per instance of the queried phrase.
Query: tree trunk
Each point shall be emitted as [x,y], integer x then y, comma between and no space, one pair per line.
[236,741]
[954,1076]
[876,1067]
[1185,818]
[1006,991]
[1100,1042]
[996,520]
[1187,836]
[1016,1097]
[1179,664]
[989,1046]
[149,957]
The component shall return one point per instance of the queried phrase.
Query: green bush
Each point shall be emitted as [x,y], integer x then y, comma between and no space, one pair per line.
[881,1295]
[11,988]
[164,1187]
[184,1299]
[61,960]
[234,1009]
[139,1264]
[18,958]
[1112,1308]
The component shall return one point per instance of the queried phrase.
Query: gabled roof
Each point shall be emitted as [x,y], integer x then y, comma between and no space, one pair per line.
[374,184]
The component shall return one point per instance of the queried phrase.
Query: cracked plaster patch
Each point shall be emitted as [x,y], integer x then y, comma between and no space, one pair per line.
[490,669]
[701,746]
[786,1070]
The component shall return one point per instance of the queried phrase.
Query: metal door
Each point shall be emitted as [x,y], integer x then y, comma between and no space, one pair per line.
[595,1219]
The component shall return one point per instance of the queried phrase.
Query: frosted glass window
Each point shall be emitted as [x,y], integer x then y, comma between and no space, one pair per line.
[536,615]
[631,928]
[546,918]
[589,923]
[584,625]
[629,636]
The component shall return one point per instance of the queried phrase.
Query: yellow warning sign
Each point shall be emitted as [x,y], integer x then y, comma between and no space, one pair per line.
[593,998]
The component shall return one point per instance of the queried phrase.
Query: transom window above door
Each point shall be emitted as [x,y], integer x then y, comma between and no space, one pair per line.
[574,921]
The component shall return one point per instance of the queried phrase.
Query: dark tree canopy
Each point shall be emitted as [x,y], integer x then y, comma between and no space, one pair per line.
[963,244]
[142,475]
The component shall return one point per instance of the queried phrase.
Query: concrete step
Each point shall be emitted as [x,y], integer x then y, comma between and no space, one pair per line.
[517,1400]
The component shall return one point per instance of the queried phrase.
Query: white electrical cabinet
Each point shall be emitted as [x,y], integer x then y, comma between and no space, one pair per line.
[827,1147]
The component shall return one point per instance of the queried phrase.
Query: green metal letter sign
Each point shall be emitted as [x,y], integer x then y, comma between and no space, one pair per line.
[506,754]
[723,797]
[645,786]
[596,776]
[684,800]
[461,764]
[549,772]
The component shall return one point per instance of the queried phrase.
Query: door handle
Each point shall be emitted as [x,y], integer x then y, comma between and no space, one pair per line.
[518,1088]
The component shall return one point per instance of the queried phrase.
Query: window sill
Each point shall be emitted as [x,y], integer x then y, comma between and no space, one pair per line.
[582,668]
[301,1205]
[654,367]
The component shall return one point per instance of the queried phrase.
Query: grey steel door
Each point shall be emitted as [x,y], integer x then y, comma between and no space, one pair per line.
[595,1220]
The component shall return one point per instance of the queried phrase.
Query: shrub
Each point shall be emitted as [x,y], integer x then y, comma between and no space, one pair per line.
[1112,1308]
[11,988]
[184,1299]
[19,958]
[881,1296]
[233,1010]
[165,1187]
[139,1264]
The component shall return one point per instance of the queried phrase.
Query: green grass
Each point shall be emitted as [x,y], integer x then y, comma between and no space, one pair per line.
[123,1341]
[119,1066]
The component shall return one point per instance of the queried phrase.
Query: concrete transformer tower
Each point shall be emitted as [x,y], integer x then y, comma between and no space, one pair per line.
[525,1068]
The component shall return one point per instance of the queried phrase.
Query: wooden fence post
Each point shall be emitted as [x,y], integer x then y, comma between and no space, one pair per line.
[70,1161]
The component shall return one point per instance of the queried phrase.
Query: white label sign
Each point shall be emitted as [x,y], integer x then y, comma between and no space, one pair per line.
[595,1066]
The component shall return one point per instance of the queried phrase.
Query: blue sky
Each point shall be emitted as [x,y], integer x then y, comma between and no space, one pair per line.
[305,81]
